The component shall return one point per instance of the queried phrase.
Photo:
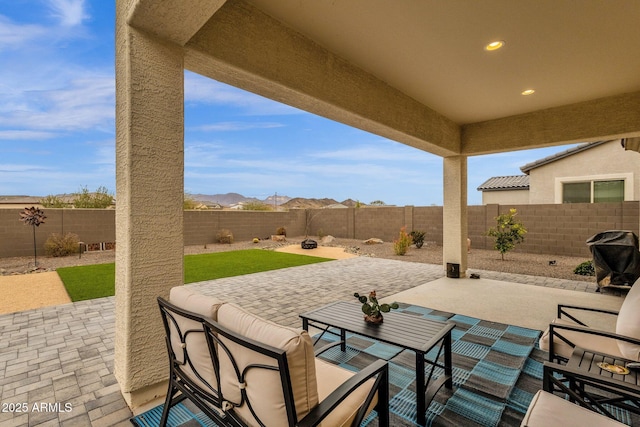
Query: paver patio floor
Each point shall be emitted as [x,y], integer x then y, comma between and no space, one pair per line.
[64,354]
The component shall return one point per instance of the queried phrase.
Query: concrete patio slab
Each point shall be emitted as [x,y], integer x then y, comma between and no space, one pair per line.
[506,302]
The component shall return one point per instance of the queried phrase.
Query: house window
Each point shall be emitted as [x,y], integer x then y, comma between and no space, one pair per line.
[593,192]
[608,191]
[576,192]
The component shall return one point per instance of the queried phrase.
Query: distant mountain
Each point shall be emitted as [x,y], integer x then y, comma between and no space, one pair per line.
[287,202]
[302,203]
[351,203]
[223,199]
[276,200]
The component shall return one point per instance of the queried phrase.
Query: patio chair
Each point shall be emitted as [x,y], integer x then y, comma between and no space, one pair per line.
[567,331]
[547,409]
[259,373]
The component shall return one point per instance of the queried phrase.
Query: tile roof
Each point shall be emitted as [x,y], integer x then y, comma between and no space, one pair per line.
[571,151]
[498,183]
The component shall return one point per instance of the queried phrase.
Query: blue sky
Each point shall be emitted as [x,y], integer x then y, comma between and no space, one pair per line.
[57,130]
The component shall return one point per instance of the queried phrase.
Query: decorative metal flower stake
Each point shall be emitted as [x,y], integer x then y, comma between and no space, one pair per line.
[34,217]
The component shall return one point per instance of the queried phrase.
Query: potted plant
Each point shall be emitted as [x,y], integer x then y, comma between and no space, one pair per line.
[372,309]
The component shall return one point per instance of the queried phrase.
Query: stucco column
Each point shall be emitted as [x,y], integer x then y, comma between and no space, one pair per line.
[149,199]
[454,218]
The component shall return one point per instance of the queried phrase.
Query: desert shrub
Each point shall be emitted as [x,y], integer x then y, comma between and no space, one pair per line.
[585,269]
[418,238]
[99,199]
[189,203]
[402,243]
[256,206]
[58,245]
[281,231]
[52,201]
[224,236]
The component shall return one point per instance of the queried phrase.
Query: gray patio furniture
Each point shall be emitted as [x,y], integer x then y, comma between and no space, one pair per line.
[241,370]
[567,331]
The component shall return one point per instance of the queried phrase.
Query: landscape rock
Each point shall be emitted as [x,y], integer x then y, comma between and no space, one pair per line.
[373,241]
[279,238]
[327,239]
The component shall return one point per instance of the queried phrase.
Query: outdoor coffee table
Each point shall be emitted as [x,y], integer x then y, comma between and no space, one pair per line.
[585,381]
[404,330]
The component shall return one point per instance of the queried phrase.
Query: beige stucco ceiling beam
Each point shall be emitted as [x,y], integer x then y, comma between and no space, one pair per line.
[600,119]
[246,48]
[172,20]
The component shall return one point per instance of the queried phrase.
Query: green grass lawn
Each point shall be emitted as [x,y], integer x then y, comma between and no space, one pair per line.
[97,281]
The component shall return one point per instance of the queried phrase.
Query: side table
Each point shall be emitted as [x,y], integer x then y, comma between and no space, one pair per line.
[591,386]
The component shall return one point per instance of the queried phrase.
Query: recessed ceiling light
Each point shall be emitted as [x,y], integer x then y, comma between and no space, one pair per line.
[528,92]
[495,45]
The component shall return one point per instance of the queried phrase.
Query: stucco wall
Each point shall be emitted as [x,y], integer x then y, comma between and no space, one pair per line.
[607,161]
[504,197]
[553,229]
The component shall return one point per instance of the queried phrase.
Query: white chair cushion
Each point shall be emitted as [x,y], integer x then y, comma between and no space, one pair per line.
[263,387]
[589,341]
[195,343]
[330,377]
[546,410]
[628,322]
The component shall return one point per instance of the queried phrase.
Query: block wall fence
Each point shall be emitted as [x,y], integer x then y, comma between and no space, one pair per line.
[552,229]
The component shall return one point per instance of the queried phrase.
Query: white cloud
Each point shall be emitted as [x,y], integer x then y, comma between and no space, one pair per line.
[396,152]
[202,90]
[69,12]
[13,36]
[21,168]
[104,154]
[83,102]
[28,135]
[236,126]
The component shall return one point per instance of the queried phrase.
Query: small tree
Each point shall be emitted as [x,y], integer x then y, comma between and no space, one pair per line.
[34,217]
[508,232]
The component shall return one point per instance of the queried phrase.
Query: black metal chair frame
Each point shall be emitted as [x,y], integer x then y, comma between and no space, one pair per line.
[211,400]
[555,330]
[590,391]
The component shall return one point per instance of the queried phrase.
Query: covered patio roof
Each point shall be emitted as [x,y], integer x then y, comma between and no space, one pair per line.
[426,62]
[414,72]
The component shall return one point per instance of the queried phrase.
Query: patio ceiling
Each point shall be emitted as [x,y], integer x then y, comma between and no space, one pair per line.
[417,71]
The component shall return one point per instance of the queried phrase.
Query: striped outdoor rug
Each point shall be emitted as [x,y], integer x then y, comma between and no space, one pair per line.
[488,360]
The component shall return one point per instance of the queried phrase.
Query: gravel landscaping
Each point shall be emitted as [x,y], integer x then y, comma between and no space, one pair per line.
[478,259]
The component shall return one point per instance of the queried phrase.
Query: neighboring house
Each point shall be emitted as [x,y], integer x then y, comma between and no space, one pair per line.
[19,202]
[504,190]
[595,172]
